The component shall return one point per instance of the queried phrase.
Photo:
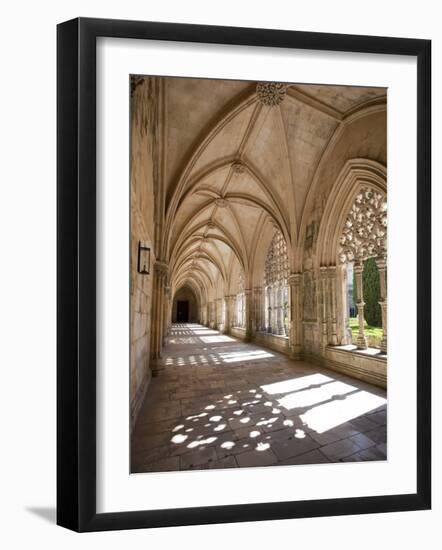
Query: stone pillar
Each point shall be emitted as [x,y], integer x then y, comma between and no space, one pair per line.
[269,309]
[248,313]
[279,311]
[361,341]
[226,319]
[323,284]
[345,336]
[294,282]
[158,295]
[167,312]
[332,301]
[382,267]
[257,301]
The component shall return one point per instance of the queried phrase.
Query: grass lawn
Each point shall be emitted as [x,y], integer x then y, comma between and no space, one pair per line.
[375,332]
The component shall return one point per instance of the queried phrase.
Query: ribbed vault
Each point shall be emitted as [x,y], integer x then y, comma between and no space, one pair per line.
[238,169]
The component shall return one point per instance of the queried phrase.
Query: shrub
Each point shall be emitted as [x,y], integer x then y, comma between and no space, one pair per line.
[371,289]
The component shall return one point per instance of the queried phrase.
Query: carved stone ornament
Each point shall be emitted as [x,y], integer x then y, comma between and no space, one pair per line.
[270,93]
[365,230]
[238,167]
[221,203]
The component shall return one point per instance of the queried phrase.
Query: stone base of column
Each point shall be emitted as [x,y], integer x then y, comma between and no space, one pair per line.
[384,345]
[361,342]
[296,353]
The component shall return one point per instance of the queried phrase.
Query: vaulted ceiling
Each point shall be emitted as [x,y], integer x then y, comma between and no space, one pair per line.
[237,168]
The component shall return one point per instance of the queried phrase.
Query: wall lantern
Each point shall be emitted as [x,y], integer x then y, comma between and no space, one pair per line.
[143,258]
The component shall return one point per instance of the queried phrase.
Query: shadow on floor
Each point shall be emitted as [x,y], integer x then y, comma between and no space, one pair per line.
[46,513]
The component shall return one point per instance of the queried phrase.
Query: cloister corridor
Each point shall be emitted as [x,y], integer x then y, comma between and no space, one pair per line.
[218,402]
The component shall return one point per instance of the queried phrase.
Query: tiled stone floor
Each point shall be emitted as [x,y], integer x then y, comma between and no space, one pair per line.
[220,403]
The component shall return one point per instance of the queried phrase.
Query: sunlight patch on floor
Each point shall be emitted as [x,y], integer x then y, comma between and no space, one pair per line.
[328,416]
[306,398]
[295,384]
[233,357]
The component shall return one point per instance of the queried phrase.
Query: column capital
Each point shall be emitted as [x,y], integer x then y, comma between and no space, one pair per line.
[294,279]
[358,267]
[381,263]
[162,268]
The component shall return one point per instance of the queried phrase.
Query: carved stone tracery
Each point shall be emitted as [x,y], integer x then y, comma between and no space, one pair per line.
[276,273]
[364,234]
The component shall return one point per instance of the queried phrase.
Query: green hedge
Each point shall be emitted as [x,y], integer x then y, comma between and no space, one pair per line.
[371,286]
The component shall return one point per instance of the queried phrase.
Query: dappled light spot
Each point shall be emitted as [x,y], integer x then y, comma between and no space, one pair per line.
[199,442]
[179,438]
[288,422]
[254,433]
[238,412]
[231,402]
[209,407]
[262,446]
[228,445]
[219,427]
[267,422]
[245,420]
[215,418]
[178,428]
[299,434]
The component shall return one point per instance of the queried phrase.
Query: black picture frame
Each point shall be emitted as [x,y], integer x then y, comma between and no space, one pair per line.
[77,287]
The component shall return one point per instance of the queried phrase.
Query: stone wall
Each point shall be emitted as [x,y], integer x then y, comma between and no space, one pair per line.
[143,173]
[272,341]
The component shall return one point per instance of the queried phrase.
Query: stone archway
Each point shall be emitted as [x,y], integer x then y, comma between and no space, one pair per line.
[185,306]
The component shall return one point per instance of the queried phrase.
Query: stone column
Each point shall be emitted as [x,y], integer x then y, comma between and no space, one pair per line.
[257,300]
[294,282]
[323,284]
[248,313]
[361,341]
[158,294]
[269,309]
[226,319]
[332,301]
[279,311]
[167,311]
[382,267]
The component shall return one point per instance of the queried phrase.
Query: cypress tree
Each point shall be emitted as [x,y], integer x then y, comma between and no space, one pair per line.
[371,290]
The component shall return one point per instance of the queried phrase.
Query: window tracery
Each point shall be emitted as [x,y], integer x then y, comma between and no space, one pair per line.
[276,273]
[364,234]
[241,302]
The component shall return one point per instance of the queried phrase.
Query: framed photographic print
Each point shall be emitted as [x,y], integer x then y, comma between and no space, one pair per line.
[237,341]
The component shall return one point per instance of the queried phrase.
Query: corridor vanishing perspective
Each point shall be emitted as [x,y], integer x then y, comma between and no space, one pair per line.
[217,402]
[258,273]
